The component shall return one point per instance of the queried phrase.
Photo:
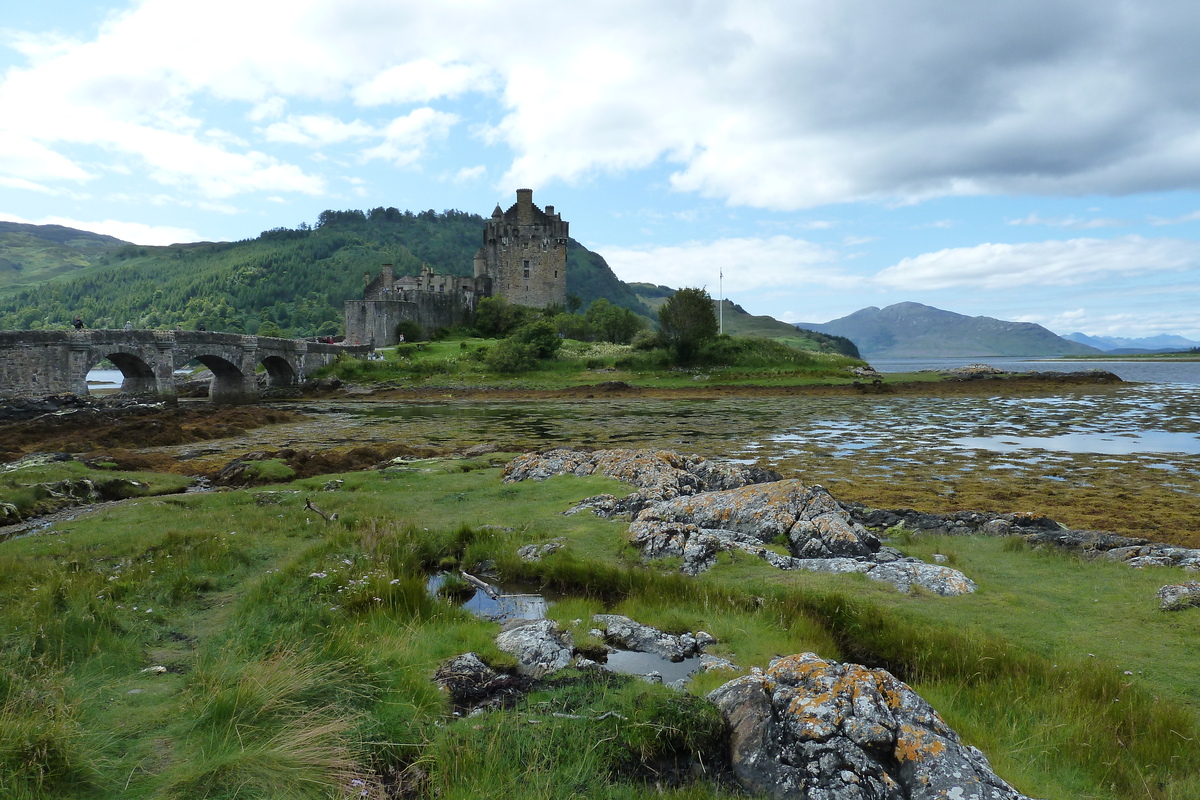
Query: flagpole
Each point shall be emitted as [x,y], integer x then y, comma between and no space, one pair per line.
[721,302]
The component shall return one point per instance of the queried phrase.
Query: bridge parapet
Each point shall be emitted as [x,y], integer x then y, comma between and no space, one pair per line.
[43,362]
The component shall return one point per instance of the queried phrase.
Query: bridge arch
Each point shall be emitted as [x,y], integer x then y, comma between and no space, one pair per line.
[138,377]
[228,381]
[140,364]
[280,371]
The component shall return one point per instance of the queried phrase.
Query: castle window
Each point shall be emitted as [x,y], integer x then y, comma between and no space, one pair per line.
[526,268]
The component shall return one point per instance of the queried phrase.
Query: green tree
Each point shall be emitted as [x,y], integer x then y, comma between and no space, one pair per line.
[687,320]
[496,317]
[541,337]
[612,323]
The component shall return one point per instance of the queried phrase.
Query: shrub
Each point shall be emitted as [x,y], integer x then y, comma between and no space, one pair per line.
[410,331]
[612,323]
[541,337]
[573,326]
[510,356]
[647,340]
[496,318]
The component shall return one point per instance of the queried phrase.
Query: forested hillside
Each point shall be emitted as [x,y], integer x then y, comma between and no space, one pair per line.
[293,281]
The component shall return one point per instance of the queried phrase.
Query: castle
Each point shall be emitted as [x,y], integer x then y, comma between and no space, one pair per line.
[523,259]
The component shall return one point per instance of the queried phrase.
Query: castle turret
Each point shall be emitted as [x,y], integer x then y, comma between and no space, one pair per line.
[524,254]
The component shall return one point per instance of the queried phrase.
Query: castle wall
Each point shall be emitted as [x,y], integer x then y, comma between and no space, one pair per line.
[375,321]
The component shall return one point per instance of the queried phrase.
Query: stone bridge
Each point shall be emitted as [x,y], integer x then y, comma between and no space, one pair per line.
[39,363]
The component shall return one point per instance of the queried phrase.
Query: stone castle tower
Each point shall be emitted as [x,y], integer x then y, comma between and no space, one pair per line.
[524,254]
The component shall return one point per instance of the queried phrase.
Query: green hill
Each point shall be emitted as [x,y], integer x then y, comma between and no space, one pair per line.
[33,254]
[739,322]
[296,278]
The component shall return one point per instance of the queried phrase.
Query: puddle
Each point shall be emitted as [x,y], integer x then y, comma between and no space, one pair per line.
[631,662]
[513,602]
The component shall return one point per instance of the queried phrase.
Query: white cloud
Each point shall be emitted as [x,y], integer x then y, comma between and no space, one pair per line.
[271,108]
[1052,263]
[421,81]
[748,264]
[756,102]
[1106,322]
[134,232]
[406,138]
[1182,219]
[1076,223]
[470,174]
[316,130]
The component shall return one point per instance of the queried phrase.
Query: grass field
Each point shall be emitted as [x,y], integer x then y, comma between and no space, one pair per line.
[297,656]
[461,363]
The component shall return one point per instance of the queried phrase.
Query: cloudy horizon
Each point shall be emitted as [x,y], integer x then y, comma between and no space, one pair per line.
[1036,162]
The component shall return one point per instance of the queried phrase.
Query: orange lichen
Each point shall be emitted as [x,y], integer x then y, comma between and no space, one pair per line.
[917,744]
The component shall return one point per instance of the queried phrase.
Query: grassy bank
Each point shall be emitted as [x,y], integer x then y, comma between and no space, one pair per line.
[471,362]
[296,657]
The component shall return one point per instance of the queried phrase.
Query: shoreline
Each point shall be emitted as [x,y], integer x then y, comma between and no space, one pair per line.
[1010,384]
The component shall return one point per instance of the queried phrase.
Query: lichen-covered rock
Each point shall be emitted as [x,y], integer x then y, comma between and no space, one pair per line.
[630,635]
[1180,595]
[819,730]
[1035,529]
[813,522]
[657,474]
[535,552]
[905,575]
[539,646]
[820,536]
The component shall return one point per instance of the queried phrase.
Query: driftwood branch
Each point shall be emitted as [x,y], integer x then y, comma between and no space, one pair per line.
[482,586]
[327,517]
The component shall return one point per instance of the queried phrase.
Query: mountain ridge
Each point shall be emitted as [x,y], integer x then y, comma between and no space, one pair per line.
[915,330]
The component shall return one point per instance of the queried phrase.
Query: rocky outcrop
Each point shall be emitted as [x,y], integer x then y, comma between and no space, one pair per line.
[820,730]
[1178,596]
[540,646]
[1035,529]
[657,474]
[630,635]
[820,536]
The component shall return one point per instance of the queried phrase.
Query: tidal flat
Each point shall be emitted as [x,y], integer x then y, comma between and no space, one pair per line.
[1124,458]
[297,654]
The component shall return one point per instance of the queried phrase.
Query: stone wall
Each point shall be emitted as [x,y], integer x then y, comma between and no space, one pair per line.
[373,322]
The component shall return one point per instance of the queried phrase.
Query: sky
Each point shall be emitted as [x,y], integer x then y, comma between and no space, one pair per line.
[1029,160]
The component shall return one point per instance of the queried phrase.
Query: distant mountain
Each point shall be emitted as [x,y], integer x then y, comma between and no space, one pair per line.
[912,330]
[1163,343]
[739,322]
[32,254]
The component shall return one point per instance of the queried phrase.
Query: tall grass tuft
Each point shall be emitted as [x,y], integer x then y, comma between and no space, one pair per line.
[273,727]
[45,750]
